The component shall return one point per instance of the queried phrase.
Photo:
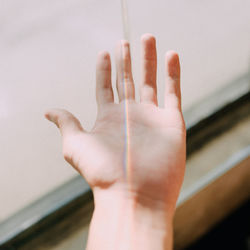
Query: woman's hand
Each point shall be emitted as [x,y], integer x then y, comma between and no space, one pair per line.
[135,148]
[134,157]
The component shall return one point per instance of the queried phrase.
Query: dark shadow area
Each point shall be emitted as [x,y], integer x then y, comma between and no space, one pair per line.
[232,233]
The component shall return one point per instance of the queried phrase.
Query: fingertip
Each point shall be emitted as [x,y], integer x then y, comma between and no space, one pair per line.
[172,63]
[47,115]
[124,43]
[63,119]
[104,55]
[172,56]
[148,38]
[148,44]
[103,61]
[125,48]
[121,44]
[52,115]
[148,47]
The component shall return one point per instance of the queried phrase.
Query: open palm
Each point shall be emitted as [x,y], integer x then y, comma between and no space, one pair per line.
[135,147]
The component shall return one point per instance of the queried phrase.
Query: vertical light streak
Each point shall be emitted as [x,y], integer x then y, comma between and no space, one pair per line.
[127,167]
[126,163]
[124,9]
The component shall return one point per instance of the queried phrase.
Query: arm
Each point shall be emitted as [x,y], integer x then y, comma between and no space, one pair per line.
[134,157]
[124,223]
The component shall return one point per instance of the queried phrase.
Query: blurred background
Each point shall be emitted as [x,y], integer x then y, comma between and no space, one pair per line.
[48,51]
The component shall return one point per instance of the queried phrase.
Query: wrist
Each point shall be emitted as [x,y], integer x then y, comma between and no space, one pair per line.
[125,221]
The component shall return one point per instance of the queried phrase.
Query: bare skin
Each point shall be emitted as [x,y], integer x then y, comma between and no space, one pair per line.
[142,179]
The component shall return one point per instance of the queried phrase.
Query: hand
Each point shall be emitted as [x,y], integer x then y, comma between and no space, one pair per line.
[134,157]
[135,148]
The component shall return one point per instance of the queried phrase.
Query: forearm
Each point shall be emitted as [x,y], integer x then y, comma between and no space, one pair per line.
[120,223]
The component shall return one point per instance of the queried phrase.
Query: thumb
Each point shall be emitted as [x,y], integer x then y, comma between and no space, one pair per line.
[65,121]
